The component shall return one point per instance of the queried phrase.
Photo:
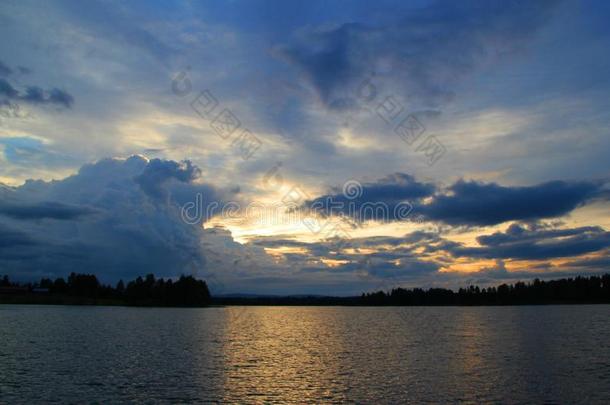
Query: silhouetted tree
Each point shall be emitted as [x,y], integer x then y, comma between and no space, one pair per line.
[83,285]
[188,291]
[59,286]
[593,289]
[46,283]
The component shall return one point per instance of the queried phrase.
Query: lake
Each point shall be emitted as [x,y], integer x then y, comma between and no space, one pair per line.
[529,354]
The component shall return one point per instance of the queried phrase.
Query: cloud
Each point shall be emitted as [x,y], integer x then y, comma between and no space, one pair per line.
[158,172]
[7,90]
[387,258]
[60,97]
[124,26]
[398,269]
[446,58]
[531,243]
[467,203]
[601,263]
[423,53]
[36,95]
[117,218]
[31,94]
[50,210]
[11,238]
[5,70]
[417,257]
[387,199]
[480,204]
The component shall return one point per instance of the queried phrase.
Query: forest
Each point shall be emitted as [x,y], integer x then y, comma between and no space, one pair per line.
[578,290]
[187,291]
[86,289]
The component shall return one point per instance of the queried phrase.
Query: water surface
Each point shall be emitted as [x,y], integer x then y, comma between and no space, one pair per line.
[556,354]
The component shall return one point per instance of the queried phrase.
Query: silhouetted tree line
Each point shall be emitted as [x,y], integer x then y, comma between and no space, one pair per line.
[593,289]
[186,291]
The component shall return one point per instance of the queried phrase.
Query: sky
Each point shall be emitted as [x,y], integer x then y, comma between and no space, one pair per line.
[275,147]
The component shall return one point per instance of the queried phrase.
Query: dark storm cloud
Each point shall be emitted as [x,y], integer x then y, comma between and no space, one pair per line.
[31,94]
[480,204]
[531,233]
[60,97]
[10,238]
[531,241]
[108,219]
[44,210]
[426,50]
[522,243]
[158,172]
[35,95]
[379,200]
[465,203]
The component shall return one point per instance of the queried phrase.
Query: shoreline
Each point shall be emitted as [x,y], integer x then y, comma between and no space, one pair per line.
[279,303]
